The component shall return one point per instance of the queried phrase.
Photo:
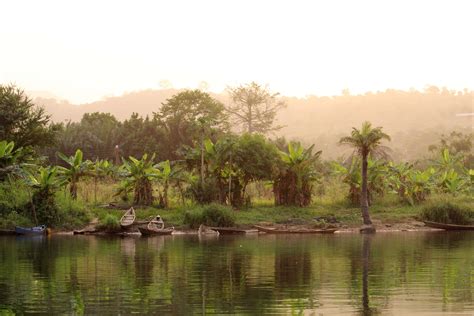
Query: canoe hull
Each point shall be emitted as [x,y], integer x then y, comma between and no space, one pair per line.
[155,232]
[127,220]
[448,226]
[38,230]
[295,231]
[228,230]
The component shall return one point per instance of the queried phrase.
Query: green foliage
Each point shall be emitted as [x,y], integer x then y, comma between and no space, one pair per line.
[44,207]
[448,213]
[72,213]
[21,121]
[210,215]
[187,117]
[366,141]
[293,182]
[110,223]
[76,169]
[203,192]
[13,197]
[459,144]
[9,159]
[351,175]
[138,176]
[411,185]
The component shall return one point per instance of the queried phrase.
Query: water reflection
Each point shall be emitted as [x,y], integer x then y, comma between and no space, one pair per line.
[185,275]
[366,248]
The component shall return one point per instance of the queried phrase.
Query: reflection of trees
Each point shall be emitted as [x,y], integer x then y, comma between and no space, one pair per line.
[183,276]
[145,251]
[292,268]
[42,253]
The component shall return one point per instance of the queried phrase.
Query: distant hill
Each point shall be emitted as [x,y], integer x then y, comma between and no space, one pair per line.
[414,118]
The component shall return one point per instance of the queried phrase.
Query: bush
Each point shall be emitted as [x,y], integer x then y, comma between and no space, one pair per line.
[205,192]
[448,213]
[110,223]
[72,213]
[13,198]
[47,211]
[14,219]
[210,215]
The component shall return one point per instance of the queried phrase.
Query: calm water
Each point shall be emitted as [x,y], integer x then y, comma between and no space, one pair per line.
[389,273]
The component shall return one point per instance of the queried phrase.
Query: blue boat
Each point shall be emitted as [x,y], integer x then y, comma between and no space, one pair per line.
[38,230]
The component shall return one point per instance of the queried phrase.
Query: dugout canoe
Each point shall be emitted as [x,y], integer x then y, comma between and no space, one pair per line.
[274,230]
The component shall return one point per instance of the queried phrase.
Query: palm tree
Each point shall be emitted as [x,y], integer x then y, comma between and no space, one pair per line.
[366,141]
[77,168]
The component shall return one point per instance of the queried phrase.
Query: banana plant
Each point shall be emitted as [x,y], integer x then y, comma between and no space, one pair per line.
[138,176]
[351,175]
[447,161]
[9,163]
[419,185]
[293,184]
[164,176]
[45,183]
[451,182]
[76,169]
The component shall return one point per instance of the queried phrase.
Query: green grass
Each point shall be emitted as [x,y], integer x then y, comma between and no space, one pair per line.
[328,201]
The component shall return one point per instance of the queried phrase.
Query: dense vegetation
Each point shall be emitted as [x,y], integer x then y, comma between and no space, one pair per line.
[187,154]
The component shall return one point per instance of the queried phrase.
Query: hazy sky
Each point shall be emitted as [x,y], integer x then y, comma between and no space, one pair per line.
[83,50]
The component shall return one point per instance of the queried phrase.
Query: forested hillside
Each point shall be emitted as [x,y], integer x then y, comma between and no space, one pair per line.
[414,119]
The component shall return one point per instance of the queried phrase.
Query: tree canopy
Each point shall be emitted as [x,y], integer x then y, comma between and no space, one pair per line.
[21,121]
[254,108]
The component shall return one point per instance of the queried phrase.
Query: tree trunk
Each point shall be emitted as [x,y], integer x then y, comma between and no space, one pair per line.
[364,204]
[202,160]
[165,195]
[73,189]
[250,127]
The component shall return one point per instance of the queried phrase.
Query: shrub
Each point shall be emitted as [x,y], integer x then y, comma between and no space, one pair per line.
[210,215]
[205,192]
[47,211]
[110,223]
[72,213]
[448,213]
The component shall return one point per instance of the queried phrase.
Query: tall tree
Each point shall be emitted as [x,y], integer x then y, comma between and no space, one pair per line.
[189,116]
[21,121]
[254,108]
[366,141]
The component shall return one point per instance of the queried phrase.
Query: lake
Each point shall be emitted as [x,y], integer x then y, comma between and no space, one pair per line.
[404,273]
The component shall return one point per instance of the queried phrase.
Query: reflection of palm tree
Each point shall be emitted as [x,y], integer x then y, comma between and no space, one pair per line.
[366,244]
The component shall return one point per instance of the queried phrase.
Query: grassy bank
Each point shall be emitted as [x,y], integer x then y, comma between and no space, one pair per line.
[386,211]
[16,209]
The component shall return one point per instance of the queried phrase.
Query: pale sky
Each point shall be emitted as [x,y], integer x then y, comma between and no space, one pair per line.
[84,50]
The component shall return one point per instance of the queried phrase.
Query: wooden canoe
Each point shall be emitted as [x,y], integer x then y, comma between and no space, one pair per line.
[128,218]
[273,230]
[448,226]
[145,231]
[38,230]
[155,227]
[230,230]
